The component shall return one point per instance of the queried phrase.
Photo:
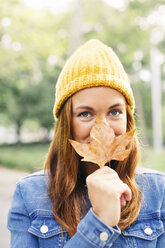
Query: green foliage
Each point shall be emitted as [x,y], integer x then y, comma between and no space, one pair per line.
[29,157]
[32,45]
[153,160]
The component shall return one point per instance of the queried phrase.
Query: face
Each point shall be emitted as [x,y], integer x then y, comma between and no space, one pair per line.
[88,103]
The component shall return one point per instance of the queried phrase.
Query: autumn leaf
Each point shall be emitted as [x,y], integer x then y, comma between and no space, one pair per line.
[104,146]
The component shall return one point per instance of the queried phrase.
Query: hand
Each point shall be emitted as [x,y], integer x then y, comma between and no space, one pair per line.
[107,193]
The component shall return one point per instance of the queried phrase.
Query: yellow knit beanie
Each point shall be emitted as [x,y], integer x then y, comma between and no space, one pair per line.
[93,64]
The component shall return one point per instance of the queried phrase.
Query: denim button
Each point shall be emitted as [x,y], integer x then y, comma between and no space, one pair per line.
[103,236]
[44,229]
[148,231]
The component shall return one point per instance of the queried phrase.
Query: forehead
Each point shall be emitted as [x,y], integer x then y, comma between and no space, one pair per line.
[98,95]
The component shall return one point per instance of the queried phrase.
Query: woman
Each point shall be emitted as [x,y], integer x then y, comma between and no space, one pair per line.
[78,204]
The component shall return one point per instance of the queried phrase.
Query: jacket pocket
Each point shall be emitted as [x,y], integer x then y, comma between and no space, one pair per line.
[146,229]
[47,230]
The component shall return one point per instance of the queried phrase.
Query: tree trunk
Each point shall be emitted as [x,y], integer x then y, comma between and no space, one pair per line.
[18,131]
[140,114]
[76,26]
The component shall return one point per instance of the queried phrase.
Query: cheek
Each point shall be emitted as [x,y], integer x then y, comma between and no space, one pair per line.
[81,131]
[119,127]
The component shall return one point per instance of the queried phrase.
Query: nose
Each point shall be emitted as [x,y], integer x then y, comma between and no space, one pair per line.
[101,118]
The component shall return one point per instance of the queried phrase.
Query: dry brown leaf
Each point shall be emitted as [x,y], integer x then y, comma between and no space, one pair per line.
[103,146]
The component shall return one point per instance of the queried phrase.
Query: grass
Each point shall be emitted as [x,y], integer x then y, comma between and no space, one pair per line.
[27,157]
[153,160]
[31,157]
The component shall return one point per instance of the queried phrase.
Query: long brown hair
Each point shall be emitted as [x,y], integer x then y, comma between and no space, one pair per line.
[67,179]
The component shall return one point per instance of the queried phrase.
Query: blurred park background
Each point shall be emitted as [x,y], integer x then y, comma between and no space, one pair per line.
[37,36]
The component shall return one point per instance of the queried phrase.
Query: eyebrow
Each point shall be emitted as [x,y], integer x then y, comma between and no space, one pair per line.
[84,107]
[117,105]
[90,108]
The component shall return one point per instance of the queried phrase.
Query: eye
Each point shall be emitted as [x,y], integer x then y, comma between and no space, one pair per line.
[84,114]
[115,112]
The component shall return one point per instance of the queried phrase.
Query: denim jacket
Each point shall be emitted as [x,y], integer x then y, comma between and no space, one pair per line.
[31,221]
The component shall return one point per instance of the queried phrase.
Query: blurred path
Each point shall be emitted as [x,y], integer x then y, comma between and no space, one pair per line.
[8,179]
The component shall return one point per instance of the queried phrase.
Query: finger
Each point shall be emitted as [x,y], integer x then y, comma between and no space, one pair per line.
[122,201]
[105,170]
[126,192]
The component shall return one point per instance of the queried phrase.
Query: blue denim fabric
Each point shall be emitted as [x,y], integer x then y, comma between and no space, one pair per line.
[31,221]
